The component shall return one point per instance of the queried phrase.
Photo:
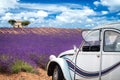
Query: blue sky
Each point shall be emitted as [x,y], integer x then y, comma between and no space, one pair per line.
[60,13]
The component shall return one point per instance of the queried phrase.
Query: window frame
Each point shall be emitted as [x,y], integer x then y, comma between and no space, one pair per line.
[91,46]
[116,31]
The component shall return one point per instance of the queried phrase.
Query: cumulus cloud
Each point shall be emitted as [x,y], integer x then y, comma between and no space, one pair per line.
[113,5]
[5,5]
[72,16]
[38,13]
[25,15]
[63,15]
[96,3]
[104,12]
[48,7]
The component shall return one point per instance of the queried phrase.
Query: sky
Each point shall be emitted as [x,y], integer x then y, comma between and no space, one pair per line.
[60,13]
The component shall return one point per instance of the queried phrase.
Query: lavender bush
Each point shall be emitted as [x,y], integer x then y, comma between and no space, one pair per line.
[34,46]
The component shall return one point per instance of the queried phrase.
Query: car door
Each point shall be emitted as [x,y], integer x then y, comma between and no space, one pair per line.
[88,59]
[111,55]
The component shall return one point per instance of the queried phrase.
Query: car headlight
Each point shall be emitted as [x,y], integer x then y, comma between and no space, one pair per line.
[52,57]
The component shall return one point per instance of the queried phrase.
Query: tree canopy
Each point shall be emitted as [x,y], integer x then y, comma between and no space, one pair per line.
[25,23]
[11,21]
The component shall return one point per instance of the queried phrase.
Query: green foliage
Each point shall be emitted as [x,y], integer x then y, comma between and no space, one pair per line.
[11,21]
[25,23]
[21,66]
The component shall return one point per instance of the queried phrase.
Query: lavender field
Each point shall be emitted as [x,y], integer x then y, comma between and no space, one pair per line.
[34,45]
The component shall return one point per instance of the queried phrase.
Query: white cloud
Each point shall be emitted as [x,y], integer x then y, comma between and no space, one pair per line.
[118,14]
[7,16]
[113,5]
[89,20]
[80,16]
[25,15]
[42,14]
[96,3]
[67,16]
[5,5]
[104,12]
[72,16]
[48,7]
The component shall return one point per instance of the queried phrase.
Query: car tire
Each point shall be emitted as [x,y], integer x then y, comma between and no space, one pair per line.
[57,74]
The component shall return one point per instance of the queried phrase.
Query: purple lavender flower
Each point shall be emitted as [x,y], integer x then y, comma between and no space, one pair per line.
[34,46]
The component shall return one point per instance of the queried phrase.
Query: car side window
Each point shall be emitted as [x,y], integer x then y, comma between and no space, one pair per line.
[111,41]
[92,42]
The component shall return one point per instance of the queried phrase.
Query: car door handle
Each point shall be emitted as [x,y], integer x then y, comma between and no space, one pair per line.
[98,56]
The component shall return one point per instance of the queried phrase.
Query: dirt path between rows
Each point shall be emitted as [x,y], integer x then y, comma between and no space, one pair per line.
[26,76]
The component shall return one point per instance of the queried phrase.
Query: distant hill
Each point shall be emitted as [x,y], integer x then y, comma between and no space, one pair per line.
[38,40]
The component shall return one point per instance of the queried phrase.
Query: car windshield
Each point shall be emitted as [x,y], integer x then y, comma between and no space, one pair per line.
[90,35]
[91,40]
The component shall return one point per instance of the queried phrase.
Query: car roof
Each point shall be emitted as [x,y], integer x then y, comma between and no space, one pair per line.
[109,26]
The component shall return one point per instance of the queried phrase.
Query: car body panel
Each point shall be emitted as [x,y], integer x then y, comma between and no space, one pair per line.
[63,65]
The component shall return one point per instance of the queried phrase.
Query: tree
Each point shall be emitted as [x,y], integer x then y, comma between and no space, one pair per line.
[25,23]
[18,24]
[11,21]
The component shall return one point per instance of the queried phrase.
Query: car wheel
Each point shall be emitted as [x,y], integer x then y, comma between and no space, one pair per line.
[57,74]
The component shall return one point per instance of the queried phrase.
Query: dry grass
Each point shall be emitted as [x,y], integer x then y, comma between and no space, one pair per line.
[26,76]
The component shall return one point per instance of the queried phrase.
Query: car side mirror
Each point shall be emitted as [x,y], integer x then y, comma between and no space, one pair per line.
[75,48]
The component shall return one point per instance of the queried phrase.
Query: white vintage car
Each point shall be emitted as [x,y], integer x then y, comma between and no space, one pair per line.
[98,57]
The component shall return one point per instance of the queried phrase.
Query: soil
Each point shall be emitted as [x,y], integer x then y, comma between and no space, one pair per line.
[42,75]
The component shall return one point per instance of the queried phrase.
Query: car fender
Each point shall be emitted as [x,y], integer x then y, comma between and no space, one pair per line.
[63,65]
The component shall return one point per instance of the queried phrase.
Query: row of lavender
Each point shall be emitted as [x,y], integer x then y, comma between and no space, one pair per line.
[34,48]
